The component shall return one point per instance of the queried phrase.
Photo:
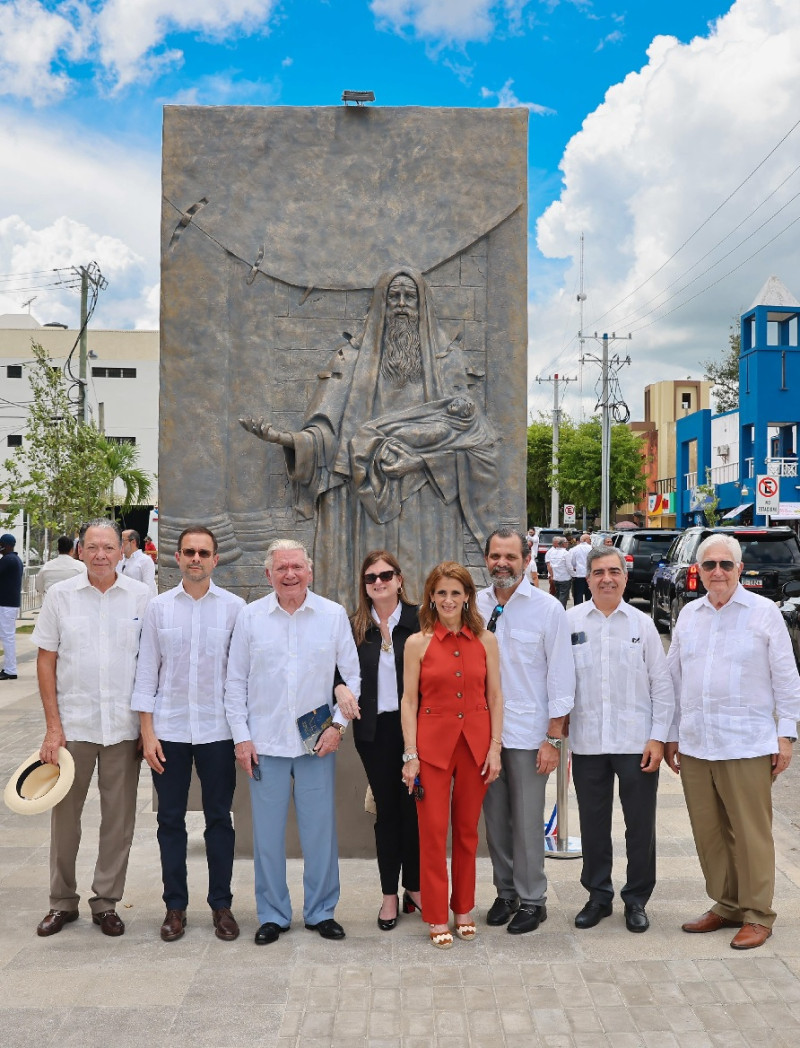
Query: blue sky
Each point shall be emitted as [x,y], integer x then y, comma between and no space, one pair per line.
[644,117]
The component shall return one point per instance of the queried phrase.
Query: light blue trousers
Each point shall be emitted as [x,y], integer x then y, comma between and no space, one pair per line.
[312,780]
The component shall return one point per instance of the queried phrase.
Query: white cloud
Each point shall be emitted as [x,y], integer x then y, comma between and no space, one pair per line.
[447,21]
[33,43]
[507,99]
[227,88]
[125,41]
[82,197]
[615,37]
[648,167]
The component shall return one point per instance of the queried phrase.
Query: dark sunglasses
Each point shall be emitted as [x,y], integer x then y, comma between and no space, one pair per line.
[385,576]
[204,554]
[726,565]
[491,625]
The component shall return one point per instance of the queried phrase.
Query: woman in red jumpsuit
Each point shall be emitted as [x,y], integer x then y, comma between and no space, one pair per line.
[452,717]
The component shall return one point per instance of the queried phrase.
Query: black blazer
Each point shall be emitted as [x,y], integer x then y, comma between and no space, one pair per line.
[368,655]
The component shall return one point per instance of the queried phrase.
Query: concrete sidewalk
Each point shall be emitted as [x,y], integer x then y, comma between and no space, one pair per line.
[556,987]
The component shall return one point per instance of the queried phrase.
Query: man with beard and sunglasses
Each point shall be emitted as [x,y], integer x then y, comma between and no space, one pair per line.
[737,691]
[394,454]
[538,677]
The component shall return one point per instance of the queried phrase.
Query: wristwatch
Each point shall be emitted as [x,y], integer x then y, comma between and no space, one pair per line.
[410,757]
[341,728]
[556,743]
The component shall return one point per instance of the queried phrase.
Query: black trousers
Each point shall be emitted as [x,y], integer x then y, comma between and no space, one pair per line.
[396,832]
[593,776]
[216,770]
[580,589]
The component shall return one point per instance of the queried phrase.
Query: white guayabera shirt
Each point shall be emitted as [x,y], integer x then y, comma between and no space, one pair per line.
[623,694]
[735,676]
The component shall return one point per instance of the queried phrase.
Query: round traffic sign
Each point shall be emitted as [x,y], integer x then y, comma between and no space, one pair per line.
[767,487]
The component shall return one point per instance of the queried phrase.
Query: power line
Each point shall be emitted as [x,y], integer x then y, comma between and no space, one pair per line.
[702,225]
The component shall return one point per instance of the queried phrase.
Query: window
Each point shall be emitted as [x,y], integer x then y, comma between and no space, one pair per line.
[120,440]
[113,372]
[686,401]
[14,440]
[14,371]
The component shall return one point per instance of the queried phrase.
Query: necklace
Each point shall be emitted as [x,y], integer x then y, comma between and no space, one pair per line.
[386,645]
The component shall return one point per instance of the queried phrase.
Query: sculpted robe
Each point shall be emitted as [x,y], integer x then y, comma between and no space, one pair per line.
[355,422]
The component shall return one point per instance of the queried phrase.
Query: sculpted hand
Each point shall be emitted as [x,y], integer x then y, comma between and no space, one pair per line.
[396,461]
[264,431]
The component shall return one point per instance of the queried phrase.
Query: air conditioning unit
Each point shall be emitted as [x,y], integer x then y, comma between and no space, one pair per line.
[724,450]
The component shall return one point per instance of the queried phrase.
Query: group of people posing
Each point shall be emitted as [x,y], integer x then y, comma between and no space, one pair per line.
[464,703]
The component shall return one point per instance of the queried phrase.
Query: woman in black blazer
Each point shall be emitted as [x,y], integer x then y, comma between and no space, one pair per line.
[381,625]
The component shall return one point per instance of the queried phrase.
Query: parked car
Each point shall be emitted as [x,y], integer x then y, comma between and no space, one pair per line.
[771,558]
[546,536]
[790,609]
[639,548]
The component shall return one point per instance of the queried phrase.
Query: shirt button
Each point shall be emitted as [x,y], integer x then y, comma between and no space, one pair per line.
[456,653]
[427,711]
[459,715]
[459,695]
[458,673]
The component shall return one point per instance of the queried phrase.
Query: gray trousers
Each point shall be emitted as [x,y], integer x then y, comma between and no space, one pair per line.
[513,812]
[117,780]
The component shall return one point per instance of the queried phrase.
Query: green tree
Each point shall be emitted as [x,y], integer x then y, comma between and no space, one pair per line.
[579,479]
[708,500]
[59,475]
[120,461]
[724,373]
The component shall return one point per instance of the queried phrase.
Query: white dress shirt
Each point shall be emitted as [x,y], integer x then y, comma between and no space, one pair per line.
[623,694]
[734,675]
[577,560]
[139,566]
[56,570]
[183,659]
[388,699]
[536,671]
[96,637]
[281,666]
[558,559]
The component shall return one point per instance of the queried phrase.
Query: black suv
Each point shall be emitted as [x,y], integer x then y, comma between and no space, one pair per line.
[771,558]
[545,536]
[639,548]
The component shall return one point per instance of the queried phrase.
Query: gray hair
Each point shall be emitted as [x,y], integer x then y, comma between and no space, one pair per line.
[100,522]
[505,531]
[596,552]
[728,541]
[288,544]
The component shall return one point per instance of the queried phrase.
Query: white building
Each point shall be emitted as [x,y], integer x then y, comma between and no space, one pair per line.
[121,389]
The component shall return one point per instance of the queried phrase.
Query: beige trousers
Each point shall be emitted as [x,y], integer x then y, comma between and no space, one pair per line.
[730,809]
[117,780]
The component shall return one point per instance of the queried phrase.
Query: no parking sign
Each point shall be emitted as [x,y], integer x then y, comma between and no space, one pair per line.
[768,499]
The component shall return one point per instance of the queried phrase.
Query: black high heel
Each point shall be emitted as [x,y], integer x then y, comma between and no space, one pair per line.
[386,924]
[409,905]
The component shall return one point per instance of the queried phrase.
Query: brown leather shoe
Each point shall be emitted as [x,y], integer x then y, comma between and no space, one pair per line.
[54,920]
[710,922]
[225,924]
[174,925]
[750,936]
[110,922]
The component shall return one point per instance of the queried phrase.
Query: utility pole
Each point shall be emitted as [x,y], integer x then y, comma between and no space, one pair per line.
[607,408]
[89,276]
[555,506]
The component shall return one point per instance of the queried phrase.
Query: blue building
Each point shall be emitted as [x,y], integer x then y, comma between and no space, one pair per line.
[732,449]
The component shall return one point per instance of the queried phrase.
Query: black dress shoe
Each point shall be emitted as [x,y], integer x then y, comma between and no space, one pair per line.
[501,911]
[268,933]
[329,929]
[636,919]
[527,919]
[7,676]
[592,914]
[387,923]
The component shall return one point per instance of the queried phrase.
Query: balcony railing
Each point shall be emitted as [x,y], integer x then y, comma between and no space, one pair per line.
[691,479]
[666,485]
[725,474]
[782,467]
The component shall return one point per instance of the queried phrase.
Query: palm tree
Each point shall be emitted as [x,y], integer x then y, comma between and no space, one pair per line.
[120,460]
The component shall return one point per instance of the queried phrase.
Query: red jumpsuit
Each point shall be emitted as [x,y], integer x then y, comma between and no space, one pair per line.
[453,737]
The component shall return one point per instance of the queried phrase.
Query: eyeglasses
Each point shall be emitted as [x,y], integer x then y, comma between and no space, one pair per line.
[726,565]
[204,554]
[385,576]
[491,625]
